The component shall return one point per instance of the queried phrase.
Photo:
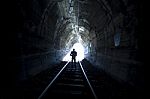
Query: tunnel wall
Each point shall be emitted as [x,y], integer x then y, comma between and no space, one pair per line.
[116,48]
[30,38]
[33,64]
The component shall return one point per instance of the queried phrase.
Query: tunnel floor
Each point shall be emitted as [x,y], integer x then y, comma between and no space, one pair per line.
[104,85]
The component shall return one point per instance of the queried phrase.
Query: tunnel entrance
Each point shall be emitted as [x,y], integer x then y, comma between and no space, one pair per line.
[80,52]
[75,34]
[42,33]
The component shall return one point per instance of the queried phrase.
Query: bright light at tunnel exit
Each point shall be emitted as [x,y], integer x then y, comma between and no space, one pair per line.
[80,52]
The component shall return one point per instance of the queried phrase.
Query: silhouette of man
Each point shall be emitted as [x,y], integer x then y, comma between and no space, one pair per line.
[73,54]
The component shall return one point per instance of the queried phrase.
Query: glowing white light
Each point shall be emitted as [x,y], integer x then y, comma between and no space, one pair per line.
[81,29]
[80,52]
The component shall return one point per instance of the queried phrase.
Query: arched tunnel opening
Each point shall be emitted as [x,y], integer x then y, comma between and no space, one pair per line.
[79,49]
[41,34]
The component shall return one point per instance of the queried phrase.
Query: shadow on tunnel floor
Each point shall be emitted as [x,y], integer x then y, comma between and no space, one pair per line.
[107,87]
[104,85]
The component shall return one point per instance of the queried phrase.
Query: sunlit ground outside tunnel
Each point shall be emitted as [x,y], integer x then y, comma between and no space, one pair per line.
[80,52]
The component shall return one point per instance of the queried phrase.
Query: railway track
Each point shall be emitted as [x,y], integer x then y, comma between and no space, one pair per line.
[70,82]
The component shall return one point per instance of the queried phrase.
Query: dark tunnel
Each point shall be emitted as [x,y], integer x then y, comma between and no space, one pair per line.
[40,33]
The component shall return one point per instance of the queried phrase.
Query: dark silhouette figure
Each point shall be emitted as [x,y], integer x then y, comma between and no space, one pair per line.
[73,54]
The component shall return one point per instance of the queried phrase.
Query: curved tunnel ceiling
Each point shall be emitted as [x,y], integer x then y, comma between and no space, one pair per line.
[81,17]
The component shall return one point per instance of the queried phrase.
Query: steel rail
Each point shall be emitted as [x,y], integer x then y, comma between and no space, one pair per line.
[95,96]
[45,90]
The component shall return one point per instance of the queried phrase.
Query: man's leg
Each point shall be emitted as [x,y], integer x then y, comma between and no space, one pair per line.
[72,63]
[75,62]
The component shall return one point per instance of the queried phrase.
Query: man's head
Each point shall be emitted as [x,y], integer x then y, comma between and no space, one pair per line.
[73,49]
